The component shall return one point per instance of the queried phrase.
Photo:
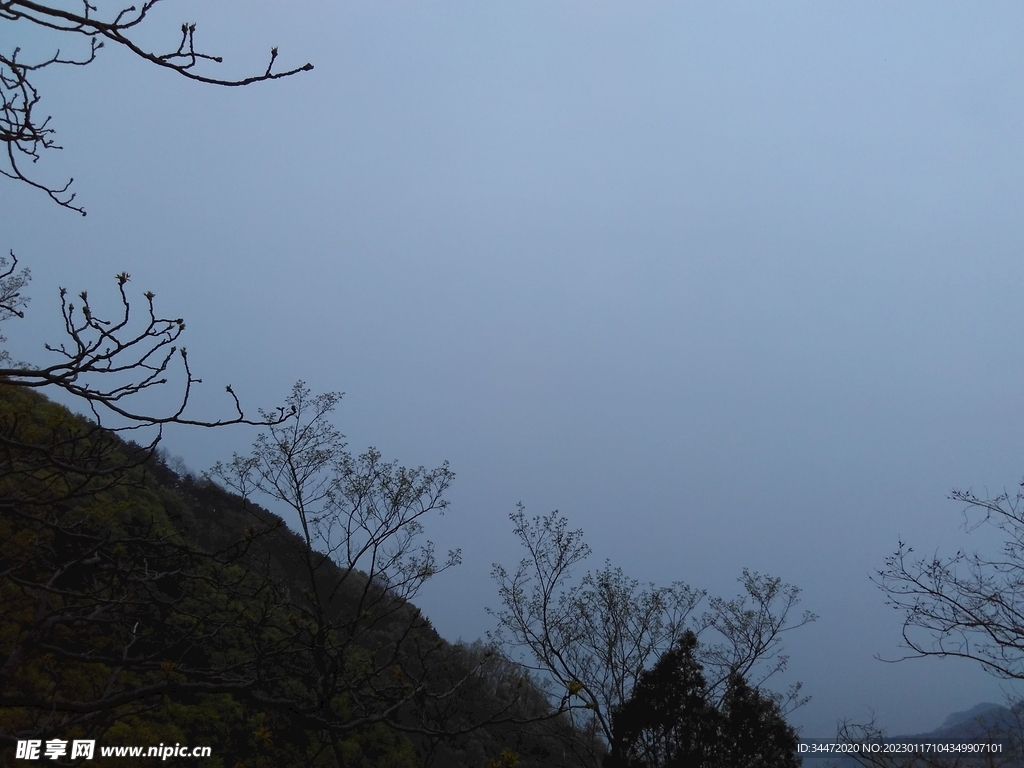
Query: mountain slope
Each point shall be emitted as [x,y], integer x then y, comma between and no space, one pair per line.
[139,605]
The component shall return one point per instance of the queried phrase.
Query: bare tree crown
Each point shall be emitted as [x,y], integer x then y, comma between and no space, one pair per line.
[593,637]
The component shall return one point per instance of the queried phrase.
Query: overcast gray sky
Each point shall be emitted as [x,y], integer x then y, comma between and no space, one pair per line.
[730,285]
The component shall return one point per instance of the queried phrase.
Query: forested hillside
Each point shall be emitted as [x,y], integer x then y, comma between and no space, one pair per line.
[145,606]
[141,605]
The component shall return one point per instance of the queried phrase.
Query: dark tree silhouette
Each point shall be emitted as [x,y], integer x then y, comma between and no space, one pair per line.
[593,638]
[668,720]
[24,132]
[754,732]
[363,652]
[108,363]
[971,604]
[672,720]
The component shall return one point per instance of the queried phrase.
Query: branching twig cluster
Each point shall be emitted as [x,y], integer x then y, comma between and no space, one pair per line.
[362,647]
[25,133]
[593,638]
[968,605]
[109,363]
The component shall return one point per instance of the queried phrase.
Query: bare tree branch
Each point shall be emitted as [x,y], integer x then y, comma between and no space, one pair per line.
[25,134]
[110,363]
[968,605]
[593,637]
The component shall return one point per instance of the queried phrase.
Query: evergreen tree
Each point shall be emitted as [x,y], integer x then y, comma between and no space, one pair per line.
[672,721]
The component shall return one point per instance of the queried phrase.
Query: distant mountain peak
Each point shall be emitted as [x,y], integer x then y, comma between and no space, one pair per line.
[978,722]
[979,710]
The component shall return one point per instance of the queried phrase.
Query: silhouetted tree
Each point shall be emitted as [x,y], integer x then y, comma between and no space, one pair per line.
[593,639]
[754,732]
[109,363]
[672,720]
[668,720]
[361,650]
[363,653]
[968,605]
[24,133]
[108,611]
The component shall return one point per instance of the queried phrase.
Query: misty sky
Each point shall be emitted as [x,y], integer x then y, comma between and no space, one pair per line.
[730,285]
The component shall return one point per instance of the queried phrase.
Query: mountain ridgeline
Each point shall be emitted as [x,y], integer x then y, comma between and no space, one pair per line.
[140,604]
